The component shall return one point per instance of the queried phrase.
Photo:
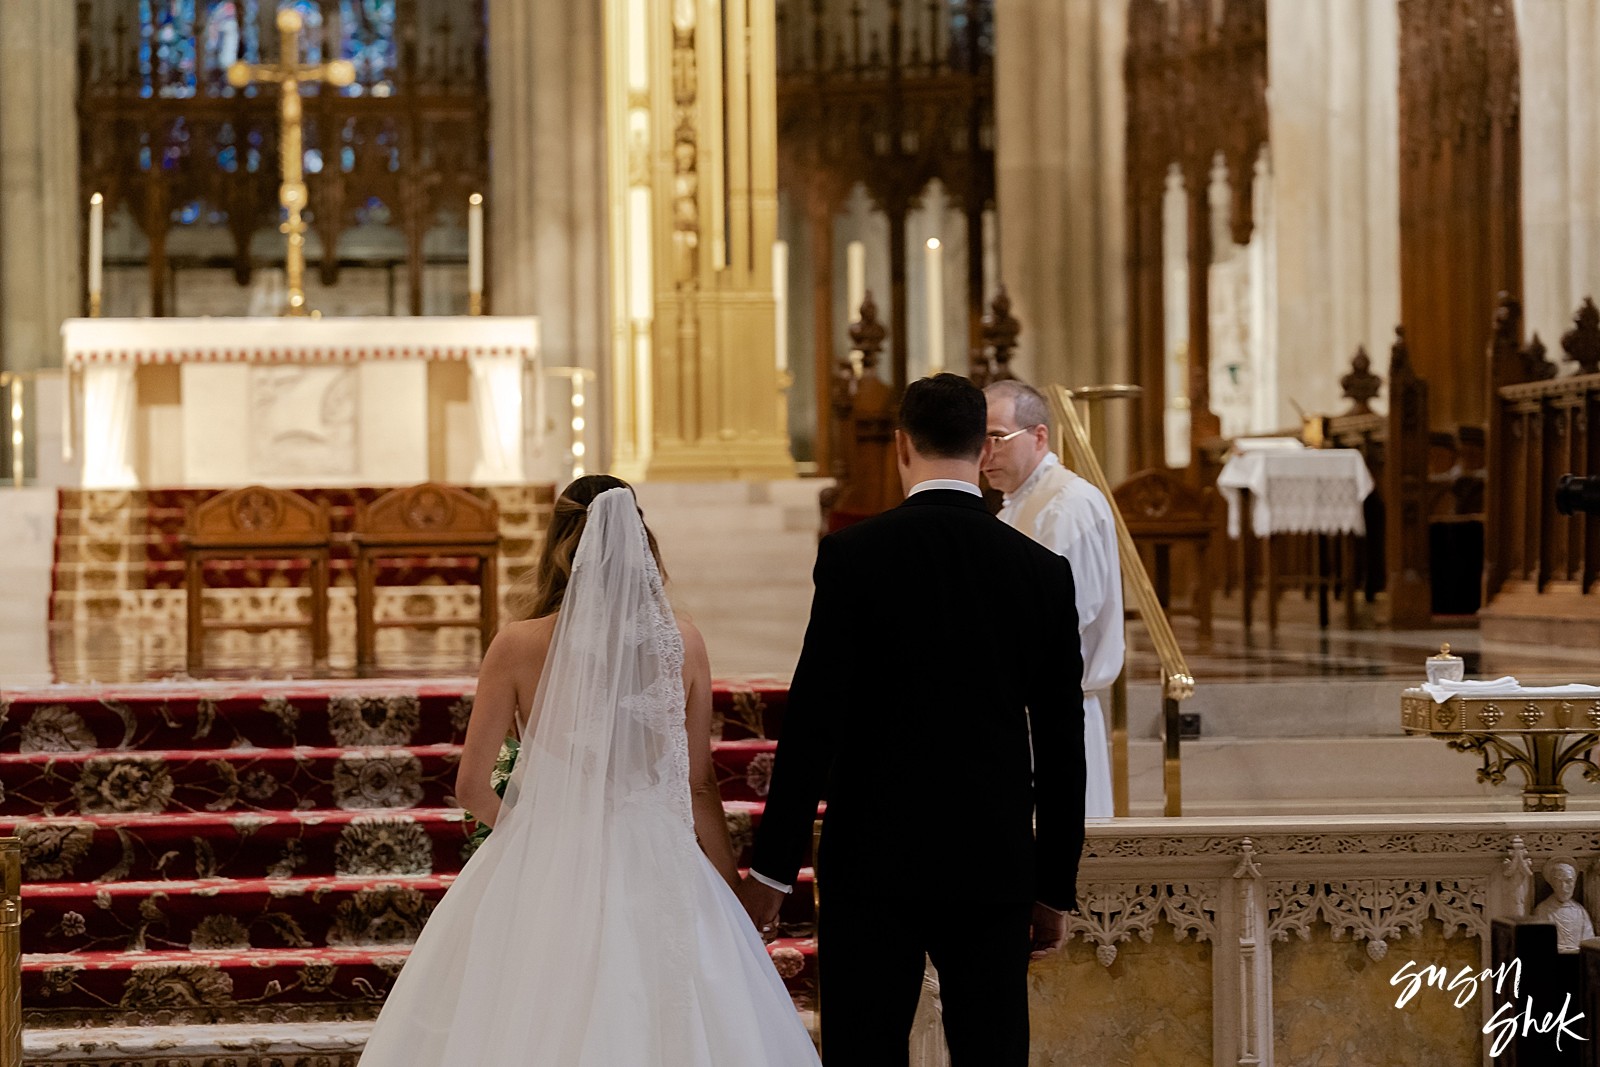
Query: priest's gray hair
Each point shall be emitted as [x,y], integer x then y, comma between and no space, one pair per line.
[1029,408]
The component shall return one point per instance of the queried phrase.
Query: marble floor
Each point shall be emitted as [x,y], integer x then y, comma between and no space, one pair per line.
[32,652]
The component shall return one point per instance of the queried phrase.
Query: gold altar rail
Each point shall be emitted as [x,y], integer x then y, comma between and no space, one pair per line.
[1177,684]
[10,952]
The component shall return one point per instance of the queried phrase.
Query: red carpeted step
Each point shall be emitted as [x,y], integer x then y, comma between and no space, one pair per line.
[278,844]
[749,710]
[210,715]
[252,913]
[228,913]
[223,780]
[282,844]
[744,768]
[202,985]
[175,715]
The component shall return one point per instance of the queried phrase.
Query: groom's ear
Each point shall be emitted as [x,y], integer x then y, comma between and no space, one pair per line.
[902,448]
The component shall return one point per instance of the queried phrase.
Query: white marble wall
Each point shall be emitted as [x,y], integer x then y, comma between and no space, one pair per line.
[40,279]
[1560,162]
[1333,106]
[547,237]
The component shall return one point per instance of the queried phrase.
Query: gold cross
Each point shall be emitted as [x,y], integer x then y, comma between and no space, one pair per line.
[288,73]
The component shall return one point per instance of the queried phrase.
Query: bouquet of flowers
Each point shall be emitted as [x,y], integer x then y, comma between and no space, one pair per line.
[498,777]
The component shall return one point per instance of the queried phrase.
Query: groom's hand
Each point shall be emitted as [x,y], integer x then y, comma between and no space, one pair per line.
[762,903]
[1049,930]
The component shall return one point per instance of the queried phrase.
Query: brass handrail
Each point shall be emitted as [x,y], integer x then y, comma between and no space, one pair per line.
[1177,684]
[10,952]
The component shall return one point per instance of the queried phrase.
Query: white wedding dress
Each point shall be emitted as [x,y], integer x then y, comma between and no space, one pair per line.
[589,930]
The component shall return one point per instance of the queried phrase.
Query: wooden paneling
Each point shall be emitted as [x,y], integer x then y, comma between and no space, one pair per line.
[1460,228]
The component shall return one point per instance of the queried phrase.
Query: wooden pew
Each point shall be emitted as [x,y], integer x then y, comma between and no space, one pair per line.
[1541,567]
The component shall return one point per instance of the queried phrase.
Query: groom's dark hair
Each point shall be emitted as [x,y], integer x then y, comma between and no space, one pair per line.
[945,416]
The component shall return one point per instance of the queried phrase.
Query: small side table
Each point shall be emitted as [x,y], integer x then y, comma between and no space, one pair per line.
[1307,502]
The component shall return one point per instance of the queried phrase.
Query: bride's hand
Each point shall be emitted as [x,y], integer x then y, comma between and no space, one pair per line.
[762,903]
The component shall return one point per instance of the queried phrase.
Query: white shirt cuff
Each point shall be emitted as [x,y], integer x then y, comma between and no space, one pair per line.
[769,883]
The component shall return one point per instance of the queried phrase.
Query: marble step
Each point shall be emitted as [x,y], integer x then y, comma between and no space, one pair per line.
[1250,776]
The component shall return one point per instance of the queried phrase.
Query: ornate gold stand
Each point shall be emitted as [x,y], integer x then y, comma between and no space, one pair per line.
[1544,738]
[10,952]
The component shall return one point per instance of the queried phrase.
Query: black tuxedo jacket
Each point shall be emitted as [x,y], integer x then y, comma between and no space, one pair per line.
[941,657]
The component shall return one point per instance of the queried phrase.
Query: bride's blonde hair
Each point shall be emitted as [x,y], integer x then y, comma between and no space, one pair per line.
[541,590]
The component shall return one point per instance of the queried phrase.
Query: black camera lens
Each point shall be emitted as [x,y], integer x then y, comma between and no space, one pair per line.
[1577,495]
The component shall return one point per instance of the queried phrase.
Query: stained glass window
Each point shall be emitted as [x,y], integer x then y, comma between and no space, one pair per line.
[186,46]
[231,32]
[166,47]
[367,39]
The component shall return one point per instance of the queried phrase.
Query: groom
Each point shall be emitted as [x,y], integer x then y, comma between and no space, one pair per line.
[955,792]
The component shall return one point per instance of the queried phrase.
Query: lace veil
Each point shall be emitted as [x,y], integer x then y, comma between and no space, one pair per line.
[598,799]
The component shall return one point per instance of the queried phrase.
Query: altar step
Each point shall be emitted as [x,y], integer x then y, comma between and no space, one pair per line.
[1329,776]
[254,913]
[117,552]
[264,1044]
[208,985]
[739,558]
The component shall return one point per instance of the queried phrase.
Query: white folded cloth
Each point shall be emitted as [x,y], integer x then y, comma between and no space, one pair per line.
[1504,687]
[1257,444]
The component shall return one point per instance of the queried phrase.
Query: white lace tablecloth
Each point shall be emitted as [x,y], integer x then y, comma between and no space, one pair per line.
[1297,491]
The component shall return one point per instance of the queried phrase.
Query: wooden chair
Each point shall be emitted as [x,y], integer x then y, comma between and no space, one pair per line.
[256,523]
[1161,511]
[433,521]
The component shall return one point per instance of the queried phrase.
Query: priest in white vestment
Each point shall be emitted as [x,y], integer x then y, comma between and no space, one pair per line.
[1072,518]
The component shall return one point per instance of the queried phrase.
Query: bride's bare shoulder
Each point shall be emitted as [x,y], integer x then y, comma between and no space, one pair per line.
[526,636]
[694,646]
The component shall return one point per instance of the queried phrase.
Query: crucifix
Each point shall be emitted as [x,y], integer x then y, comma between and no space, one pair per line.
[288,73]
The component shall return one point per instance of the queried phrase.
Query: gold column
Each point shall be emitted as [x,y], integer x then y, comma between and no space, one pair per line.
[691,102]
[10,952]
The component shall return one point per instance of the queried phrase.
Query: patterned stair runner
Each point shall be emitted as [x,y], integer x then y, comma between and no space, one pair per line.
[222,853]
[119,561]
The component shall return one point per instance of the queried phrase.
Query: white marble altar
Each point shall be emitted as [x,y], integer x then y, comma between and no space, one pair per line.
[296,402]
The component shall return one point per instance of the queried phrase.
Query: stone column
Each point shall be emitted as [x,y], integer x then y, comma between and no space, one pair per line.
[1334,121]
[40,228]
[1560,162]
[1060,121]
[547,226]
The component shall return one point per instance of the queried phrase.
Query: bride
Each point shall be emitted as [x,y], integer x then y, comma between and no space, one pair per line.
[590,929]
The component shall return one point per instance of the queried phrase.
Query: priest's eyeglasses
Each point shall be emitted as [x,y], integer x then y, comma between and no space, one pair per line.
[996,438]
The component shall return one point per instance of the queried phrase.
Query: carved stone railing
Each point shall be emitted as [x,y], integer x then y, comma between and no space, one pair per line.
[1541,567]
[1288,941]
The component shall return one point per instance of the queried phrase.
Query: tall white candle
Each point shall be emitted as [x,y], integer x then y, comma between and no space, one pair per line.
[780,296]
[97,227]
[855,259]
[933,295]
[475,243]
